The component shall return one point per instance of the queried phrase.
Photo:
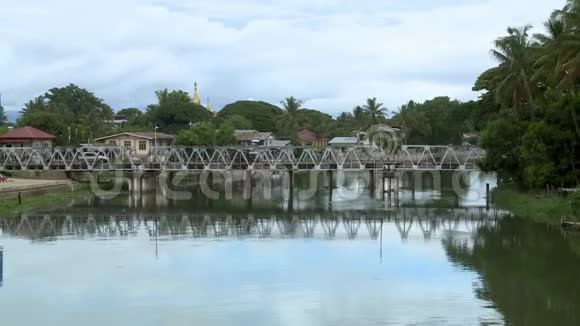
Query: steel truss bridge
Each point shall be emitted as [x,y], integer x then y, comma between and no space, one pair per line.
[423,222]
[86,159]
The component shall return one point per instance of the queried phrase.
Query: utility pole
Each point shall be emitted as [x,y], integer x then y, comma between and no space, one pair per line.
[155,144]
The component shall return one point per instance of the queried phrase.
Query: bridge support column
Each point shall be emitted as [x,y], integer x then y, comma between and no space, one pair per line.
[380,179]
[389,190]
[248,185]
[330,176]
[290,190]
[397,188]
[291,180]
[372,181]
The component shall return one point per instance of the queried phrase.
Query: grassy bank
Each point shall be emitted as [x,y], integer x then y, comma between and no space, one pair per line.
[540,207]
[36,201]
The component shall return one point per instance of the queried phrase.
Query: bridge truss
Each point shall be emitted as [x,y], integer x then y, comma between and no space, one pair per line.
[100,158]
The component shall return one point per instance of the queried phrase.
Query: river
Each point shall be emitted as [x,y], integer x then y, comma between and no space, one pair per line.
[344,256]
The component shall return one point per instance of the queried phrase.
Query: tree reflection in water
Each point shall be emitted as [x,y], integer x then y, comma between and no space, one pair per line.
[529,271]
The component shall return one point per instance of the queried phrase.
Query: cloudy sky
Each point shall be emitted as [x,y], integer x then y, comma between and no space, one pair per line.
[331,53]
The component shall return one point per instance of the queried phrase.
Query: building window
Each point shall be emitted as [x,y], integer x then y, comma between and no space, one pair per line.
[142,145]
[127,143]
[113,142]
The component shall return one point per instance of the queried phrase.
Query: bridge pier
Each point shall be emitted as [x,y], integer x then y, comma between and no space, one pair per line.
[372,181]
[331,183]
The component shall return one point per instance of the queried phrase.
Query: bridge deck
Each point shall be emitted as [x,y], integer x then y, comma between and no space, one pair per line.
[84,159]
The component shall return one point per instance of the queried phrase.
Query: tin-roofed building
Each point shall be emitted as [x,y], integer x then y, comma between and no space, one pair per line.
[254,137]
[140,142]
[308,137]
[343,142]
[27,137]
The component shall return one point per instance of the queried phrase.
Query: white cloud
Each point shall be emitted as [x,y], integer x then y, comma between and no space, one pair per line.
[332,53]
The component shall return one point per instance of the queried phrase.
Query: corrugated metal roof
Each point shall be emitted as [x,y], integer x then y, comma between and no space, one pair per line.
[343,140]
[145,135]
[245,135]
[279,143]
[26,133]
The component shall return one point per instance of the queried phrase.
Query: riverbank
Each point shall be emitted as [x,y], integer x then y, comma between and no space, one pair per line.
[541,207]
[16,185]
[35,194]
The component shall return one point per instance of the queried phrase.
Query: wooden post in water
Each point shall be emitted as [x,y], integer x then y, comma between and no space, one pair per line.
[330,179]
[291,180]
[487,196]
[1,266]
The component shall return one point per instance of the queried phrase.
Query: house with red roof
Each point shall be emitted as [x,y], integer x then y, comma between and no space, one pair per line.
[310,138]
[27,137]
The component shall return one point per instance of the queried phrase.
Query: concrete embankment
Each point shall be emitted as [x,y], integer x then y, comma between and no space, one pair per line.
[10,189]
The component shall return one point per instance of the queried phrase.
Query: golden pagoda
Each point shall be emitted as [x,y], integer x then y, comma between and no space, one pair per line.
[198,102]
[195,95]
[207,105]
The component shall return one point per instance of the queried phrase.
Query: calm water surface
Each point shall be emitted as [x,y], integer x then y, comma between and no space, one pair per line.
[340,258]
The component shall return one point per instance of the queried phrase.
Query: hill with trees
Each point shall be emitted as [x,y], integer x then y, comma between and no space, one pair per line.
[263,116]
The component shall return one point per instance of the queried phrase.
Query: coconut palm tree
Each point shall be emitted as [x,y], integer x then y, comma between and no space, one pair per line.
[359,117]
[514,53]
[559,64]
[289,121]
[549,54]
[374,110]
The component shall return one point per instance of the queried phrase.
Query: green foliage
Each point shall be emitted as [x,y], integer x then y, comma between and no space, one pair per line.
[574,203]
[536,155]
[225,135]
[206,134]
[263,116]
[175,111]
[130,112]
[69,113]
[536,206]
[320,123]
[3,129]
[3,117]
[439,121]
[238,122]
[537,79]
[50,122]
[374,111]
[502,139]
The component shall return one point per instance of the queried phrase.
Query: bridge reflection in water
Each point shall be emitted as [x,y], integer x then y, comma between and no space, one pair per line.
[427,223]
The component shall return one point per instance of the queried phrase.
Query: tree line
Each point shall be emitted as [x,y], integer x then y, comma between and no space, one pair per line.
[76,116]
[531,101]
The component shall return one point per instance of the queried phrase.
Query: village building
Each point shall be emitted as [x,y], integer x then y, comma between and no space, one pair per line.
[254,137]
[27,137]
[140,142]
[343,142]
[307,137]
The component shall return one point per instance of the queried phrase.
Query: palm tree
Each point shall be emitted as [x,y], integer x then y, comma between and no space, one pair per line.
[549,60]
[374,110]
[516,58]
[289,122]
[568,44]
[162,96]
[559,65]
[359,118]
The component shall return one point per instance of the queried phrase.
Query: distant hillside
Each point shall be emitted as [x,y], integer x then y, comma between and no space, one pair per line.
[263,116]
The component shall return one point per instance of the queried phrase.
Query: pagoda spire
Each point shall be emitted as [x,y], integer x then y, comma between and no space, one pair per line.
[207,105]
[195,94]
